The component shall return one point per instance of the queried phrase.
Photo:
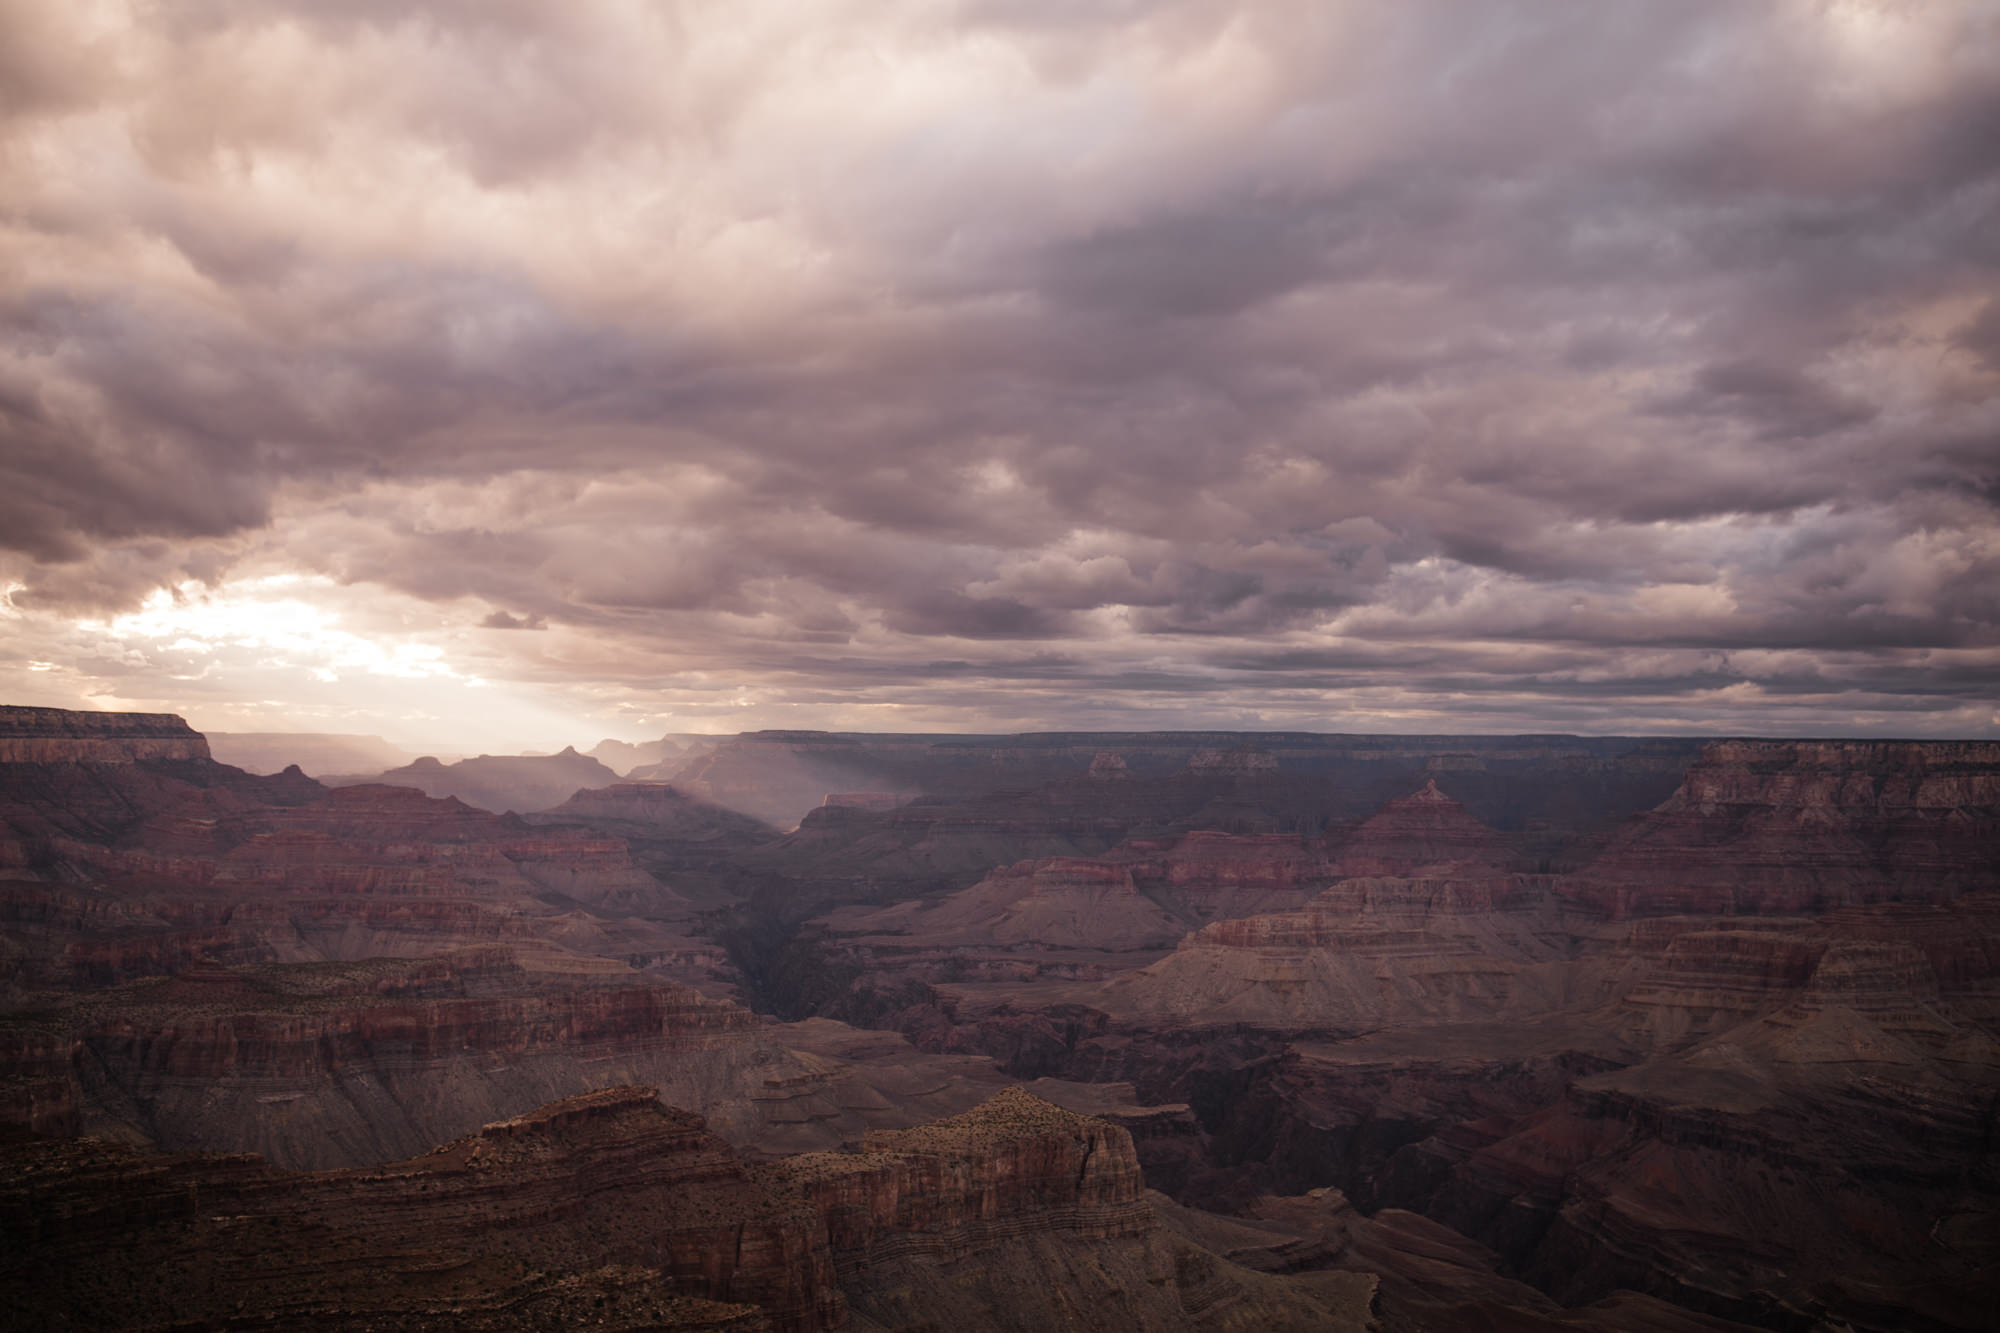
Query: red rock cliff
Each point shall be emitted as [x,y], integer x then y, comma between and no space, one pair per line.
[60,736]
[1011,1165]
[1797,826]
[635,1210]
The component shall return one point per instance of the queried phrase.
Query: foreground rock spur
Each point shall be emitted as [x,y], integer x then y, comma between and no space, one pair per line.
[1445,1033]
[609,1209]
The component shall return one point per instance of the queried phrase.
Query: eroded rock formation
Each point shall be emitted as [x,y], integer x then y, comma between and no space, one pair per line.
[57,736]
[1732,1057]
[613,1209]
[1763,827]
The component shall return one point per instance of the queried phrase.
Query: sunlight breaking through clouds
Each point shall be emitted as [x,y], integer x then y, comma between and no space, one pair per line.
[269,615]
[1168,363]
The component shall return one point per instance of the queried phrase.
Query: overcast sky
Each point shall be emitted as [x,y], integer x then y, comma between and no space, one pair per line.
[492,374]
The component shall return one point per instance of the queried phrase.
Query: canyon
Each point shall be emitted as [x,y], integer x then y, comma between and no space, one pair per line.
[802,1030]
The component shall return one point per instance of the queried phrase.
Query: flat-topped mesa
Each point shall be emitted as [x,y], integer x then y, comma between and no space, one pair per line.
[1014,1165]
[1926,760]
[860,800]
[1106,766]
[1803,826]
[1423,834]
[63,736]
[1244,761]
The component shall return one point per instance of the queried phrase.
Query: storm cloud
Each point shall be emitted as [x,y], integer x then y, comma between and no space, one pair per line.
[1405,365]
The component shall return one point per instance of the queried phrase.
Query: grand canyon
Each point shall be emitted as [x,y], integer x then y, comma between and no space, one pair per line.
[798,1031]
[1000,666]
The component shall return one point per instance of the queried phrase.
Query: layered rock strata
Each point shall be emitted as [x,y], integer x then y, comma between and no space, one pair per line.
[170,864]
[1368,952]
[1423,834]
[610,1208]
[1207,874]
[1055,903]
[606,1199]
[327,1065]
[58,736]
[1762,827]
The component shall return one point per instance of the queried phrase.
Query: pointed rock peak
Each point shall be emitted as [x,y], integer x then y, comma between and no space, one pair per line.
[1011,1113]
[1109,767]
[1430,795]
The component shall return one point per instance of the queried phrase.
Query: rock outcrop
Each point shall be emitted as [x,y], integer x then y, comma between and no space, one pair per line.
[612,1209]
[1424,835]
[59,736]
[1826,1163]
[334,1065]
[1764,827]
[1367,952]
[656,810]
[1209,875]
[1241,761]
[605,1203]
[171,863]
[1057,903]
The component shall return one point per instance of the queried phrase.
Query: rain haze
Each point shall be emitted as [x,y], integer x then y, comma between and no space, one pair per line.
[504,375]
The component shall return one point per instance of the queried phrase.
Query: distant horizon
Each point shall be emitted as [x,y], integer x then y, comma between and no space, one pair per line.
[585,747]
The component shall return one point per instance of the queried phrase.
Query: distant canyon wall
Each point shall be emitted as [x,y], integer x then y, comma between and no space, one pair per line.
[59,736]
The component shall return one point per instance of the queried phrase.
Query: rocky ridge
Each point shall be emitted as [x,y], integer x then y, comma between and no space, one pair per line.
[519,783]
[610,1206]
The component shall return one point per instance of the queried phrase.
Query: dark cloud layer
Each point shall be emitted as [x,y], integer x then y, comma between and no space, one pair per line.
[1378,364]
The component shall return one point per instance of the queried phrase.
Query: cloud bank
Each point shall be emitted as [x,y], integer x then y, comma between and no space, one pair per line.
[1398,365]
